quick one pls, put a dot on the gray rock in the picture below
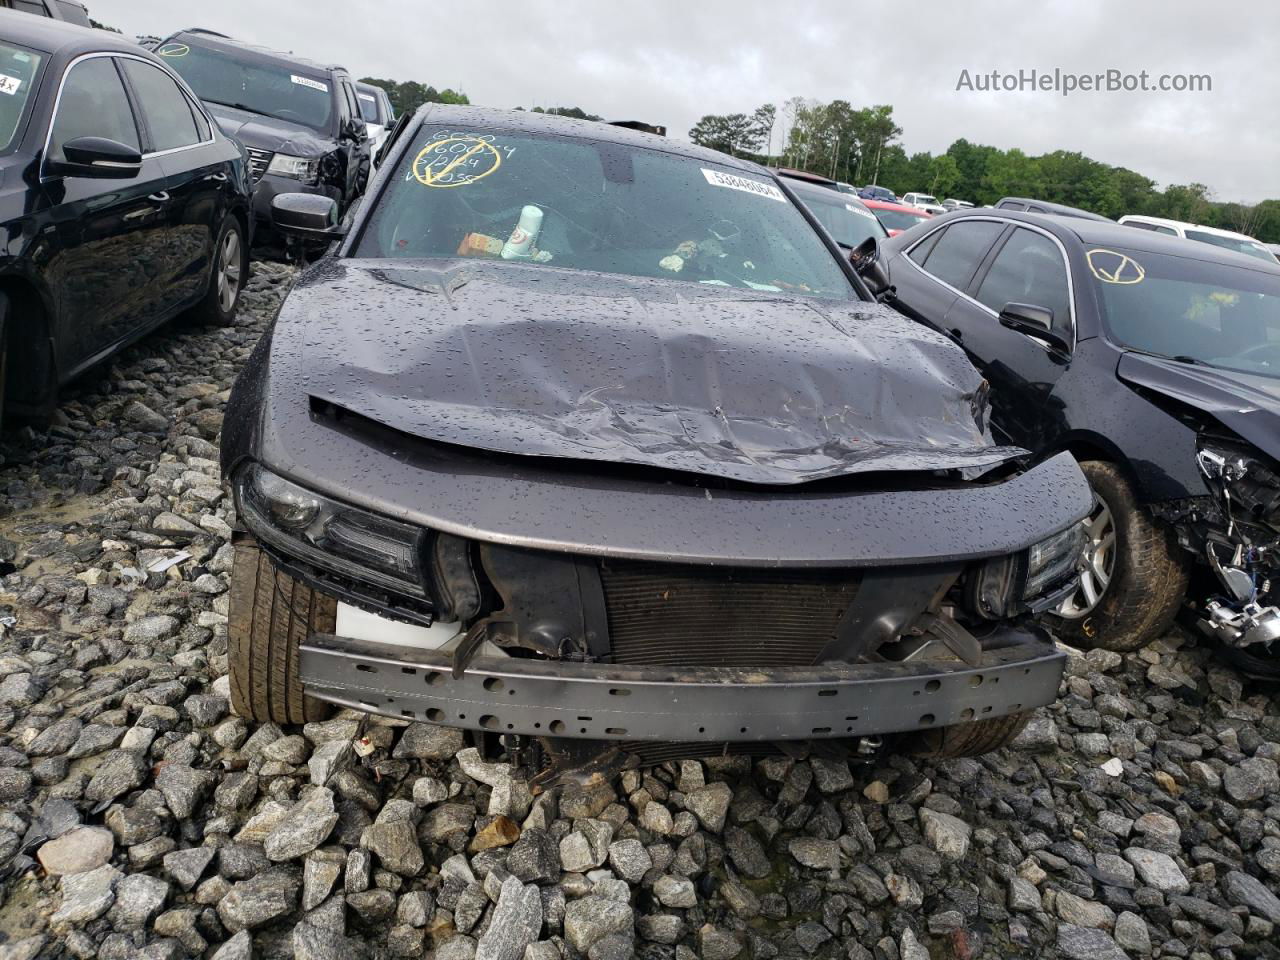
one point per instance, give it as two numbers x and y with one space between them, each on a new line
811 936
1084 913
1023 896
586 847
1246 891
14 783
710 804
629 859
515 923
426 741
150 629
591 919
910 947
583 802
137 412
815 853
184 788
1040 735
1087 943
428 791
119 772
312 942
327 759
831 776
319 873
139 898
675 892
25 949
59 737
535 857
78 851
307 825
378 904
661 928
1132 935
187 866
85 897
1157 870
239 947
94 739
396 845
946 834
18 690
415 908
1251 779
717 944
746 852
260 899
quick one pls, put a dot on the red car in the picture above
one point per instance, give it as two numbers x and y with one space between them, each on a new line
896 217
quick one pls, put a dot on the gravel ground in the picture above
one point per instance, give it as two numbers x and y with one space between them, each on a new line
1139 816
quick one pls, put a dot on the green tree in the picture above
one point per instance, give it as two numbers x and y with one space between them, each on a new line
576 112
409 95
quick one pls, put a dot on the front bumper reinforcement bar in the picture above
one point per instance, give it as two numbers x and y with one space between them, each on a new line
1020 670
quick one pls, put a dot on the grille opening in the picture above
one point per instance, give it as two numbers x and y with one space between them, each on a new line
683 615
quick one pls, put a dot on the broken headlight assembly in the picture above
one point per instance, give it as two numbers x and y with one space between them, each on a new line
1246 487
1029 582
333 536
296 168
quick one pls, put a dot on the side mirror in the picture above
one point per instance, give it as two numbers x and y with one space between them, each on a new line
1034 321
308 216
97 157
867 263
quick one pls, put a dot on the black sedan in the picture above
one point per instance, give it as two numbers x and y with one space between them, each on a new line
615 447
1156 361
845 217
122 203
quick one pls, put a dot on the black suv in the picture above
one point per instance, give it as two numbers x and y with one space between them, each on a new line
299 120
122 203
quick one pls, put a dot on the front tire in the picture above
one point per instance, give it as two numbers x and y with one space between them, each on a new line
971 739
228 271
270 614
1135 574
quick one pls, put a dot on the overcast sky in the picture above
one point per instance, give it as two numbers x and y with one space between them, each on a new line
670 61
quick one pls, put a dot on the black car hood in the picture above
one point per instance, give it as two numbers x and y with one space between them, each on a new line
1246 403
269 133
534 361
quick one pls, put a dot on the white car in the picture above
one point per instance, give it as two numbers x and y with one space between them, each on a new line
1238 242
922 201
950 204
378 115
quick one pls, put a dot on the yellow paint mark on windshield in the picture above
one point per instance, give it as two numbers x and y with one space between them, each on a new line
455 162
174 50
1112 267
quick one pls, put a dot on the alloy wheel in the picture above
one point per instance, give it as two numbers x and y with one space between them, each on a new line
229 266
1098 560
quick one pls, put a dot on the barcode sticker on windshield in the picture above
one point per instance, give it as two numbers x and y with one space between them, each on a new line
308 82
366 96
745 184
9 84
859 211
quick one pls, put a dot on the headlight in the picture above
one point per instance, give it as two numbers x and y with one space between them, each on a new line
1053 561
299 168
1028 581
331 535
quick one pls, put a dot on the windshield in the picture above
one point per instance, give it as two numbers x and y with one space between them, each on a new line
252 82
900 219
1238 244
580 204
848 223
925 198
18 69
1212 313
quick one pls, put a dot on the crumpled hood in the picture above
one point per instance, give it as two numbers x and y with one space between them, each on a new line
268 133
1246 403
538 362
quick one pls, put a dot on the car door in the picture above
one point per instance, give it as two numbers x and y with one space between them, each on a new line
1028 266
195 184
110 233
938 267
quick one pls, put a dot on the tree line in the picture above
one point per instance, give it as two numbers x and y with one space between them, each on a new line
862 146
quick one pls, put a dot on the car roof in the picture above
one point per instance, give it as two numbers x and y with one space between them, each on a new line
804 176
890 205
1185 225
1108 233
526 121
57 36
806 188
214 39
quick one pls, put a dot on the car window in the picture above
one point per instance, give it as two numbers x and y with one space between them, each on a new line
1028 269
849 223
202 122
164 106
956 255
1011 205
600 206
73 13
18 70
29 6
1032 208
921 250
253 82
352 104
93 104
1238 244
900 219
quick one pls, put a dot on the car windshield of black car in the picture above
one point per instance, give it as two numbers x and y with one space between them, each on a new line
252 82
848 222
18 69
1212 313
580 204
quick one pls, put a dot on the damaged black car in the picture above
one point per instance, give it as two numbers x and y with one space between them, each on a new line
595 440
1156 361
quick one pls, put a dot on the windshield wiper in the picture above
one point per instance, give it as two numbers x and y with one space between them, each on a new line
1176 358
238 106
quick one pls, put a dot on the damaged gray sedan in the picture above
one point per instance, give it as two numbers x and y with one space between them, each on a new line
595 441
